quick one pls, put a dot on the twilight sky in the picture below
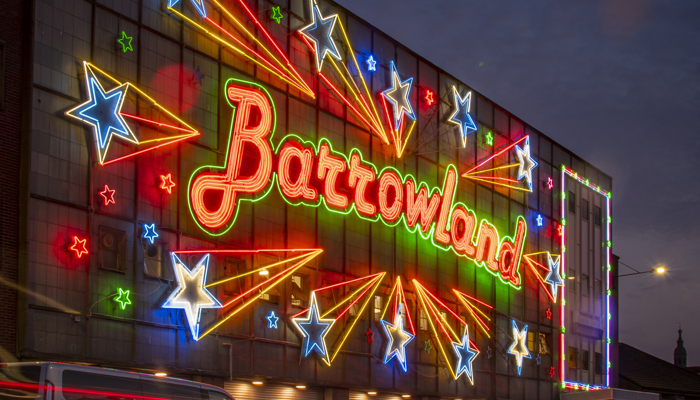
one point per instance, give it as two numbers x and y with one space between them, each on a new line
618 83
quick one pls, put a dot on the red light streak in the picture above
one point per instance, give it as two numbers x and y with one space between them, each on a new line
496 154
347 282
149 149
160 124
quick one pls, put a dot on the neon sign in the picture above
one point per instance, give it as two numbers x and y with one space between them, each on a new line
314 174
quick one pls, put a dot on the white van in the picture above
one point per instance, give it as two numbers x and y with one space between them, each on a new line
59 381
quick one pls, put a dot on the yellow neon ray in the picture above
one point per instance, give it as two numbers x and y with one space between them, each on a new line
491 169
386 306
499 184
439 342
348 298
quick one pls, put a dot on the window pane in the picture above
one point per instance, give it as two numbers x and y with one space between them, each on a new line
217 395
78 385
171 391
572 202
584 209
27 375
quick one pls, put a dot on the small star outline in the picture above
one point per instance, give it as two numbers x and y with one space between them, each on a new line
125 41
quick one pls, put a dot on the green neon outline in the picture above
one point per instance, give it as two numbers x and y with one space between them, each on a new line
429 235
263 193
123 302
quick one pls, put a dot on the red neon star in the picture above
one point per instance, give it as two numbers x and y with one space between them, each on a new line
549 314
167 183
108 195
550 183
79 246
560 229
552 371
429 97
370 335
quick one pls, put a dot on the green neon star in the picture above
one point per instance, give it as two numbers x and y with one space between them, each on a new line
123 298
276 14
427 346
125 41
489 139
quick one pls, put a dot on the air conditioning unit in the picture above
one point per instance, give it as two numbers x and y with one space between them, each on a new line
112 250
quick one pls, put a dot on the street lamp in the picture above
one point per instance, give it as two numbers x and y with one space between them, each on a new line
660 270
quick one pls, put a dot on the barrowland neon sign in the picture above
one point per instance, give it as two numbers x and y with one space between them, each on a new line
313 174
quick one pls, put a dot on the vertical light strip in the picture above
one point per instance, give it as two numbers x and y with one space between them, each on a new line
562 356
607 292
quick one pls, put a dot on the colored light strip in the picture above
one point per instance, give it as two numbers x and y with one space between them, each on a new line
510 146
405 305
539 279
160 124
499 184
256 270
422 299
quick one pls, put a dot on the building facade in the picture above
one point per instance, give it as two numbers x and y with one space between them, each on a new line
278 193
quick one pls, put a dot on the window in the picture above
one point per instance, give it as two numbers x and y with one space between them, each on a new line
531 341
79 385
598 289
423 321
572 202
217 395
585 360
542 342
169 390
598 363
585 288
232 267
155 260
112 250
378 307
584 209
299 295
2 75
597 216
573 357
571 280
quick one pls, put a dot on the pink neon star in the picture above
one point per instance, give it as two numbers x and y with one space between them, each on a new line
108 195
550 183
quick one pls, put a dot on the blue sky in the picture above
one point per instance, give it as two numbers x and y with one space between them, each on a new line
618 83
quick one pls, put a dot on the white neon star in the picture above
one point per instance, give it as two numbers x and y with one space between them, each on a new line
319 31
527 163
398 339
190 293
398 94
521 344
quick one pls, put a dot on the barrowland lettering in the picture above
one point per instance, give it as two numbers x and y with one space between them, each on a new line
311 175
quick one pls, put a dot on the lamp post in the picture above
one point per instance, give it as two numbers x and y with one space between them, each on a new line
656 270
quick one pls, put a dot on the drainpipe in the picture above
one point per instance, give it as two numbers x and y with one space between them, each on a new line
230 360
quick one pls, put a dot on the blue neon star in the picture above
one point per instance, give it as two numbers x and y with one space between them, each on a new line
314 329
149 232
519 347
527 163
319 31
554 277
460 115
398 94
371 64
102 111
272 320
465 357
539 220
198 5
399 338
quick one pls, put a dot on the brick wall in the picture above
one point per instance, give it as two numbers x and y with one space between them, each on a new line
14 36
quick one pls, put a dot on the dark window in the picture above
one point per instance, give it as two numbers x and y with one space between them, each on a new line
585 360
168 390
597 215
598 363
112 253
155 260
26 374
598 289
572 202
299 294
217 395
79 385
585 288
571 280
2 75
543 340
584 209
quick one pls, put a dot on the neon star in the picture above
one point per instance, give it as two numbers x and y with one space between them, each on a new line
552 371
198 5
550 183
519 346
398 339
489 139
427 346
123 298
276 14
538 359
560 229
191 294
398 94
102 111
460 115
149 232
429 97
272 320
548 314
371 64
319 31
370 335
539 220
527 163
108 195
125 41
465 357
554 277
79 246
166 183
314 329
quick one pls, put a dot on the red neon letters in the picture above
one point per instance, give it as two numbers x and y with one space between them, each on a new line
311 174
231 182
